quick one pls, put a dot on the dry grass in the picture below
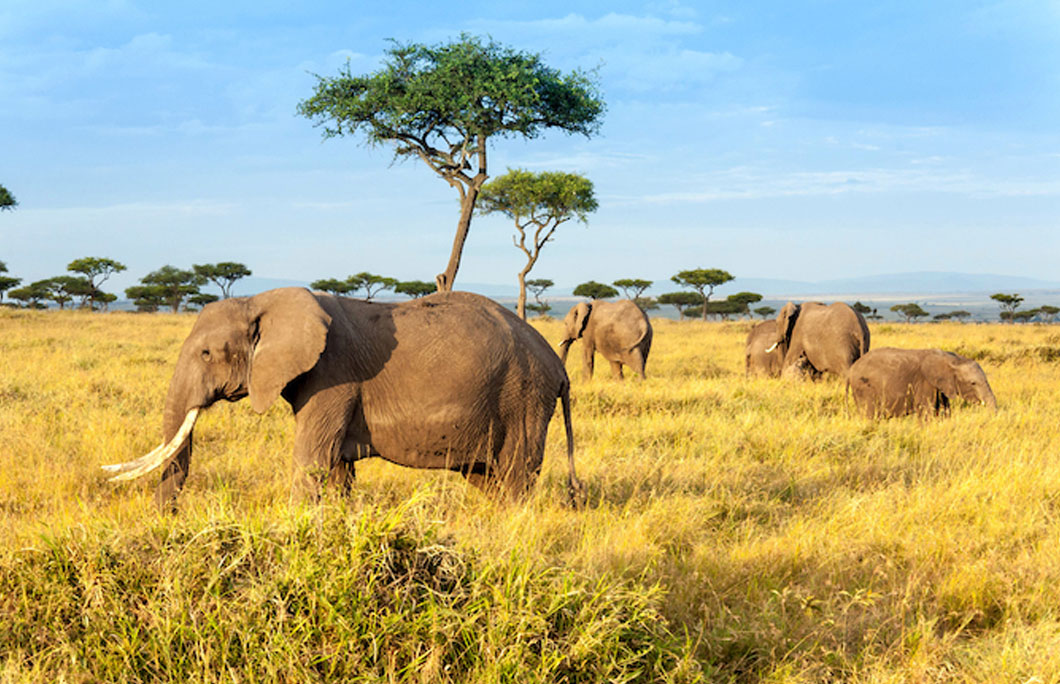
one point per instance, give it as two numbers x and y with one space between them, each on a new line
744 530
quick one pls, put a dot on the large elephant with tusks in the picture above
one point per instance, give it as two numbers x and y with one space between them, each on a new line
449 381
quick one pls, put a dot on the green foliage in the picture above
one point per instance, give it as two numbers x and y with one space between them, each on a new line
1008 302
632 288
910 311
371 283
146 298
743 300
62 289
1025 315
541 199
1048 312
223 274
6 282
442 104
703 281
7 200
862 309
595 290
646 303
200 300
961 314
537 287
168 285
32 296
415 288
97 270
765 311
332 285
681 301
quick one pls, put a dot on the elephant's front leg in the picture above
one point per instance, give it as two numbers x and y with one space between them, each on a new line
588 359
319 459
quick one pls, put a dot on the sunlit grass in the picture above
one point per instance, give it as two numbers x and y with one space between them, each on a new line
736 529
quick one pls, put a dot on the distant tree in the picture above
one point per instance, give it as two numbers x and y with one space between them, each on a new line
1048 312
765 311
646 303
371 283
97 270
743 301
443 103
200 300
960 314
223 274
105 299
681 301
174 284
146 298
595 290
874 316
537 288
332 285
722 309
1024 316
7 200
414 288
537 203
6 282
942 316
32 296
632 288
862 309
703 281
1008 302
62 289
911 311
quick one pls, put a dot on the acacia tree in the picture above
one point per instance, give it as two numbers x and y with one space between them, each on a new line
223 274
371 283
7 200
632 288
538 203
414 288
97 270
442 104
743 301
765 312
703 281
62 289
32 296
169 285
1009 303
1048 312
332 285
6 282
681 301
537 288
911 311
595 290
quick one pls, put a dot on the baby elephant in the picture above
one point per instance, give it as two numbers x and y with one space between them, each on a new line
758 361
891 382
620 331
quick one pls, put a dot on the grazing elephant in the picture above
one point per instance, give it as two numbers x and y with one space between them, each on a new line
620 331
891 382
820 338
451 381
759 361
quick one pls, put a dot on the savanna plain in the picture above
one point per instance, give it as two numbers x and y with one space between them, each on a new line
743 530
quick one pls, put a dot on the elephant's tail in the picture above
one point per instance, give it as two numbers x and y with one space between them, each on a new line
575 489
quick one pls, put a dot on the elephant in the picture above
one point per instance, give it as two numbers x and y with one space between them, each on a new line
620 331
820 338
890 382
448 381
757 361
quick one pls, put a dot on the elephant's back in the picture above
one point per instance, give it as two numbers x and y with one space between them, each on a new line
623 323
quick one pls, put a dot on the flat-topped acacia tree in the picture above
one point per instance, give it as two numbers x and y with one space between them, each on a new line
538 203
442 103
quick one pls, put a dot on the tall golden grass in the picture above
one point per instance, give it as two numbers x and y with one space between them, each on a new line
736 530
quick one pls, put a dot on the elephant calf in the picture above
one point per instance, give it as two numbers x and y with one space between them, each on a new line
891 382
620 331
761 356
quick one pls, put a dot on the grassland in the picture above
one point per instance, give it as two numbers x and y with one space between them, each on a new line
736 530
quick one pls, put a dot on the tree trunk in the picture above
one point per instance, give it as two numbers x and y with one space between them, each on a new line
446 280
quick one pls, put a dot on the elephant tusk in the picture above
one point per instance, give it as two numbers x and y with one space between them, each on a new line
157 457
773 347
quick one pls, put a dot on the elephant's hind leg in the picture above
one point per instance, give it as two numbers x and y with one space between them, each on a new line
616 370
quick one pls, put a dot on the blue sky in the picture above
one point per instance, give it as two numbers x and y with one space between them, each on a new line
798 140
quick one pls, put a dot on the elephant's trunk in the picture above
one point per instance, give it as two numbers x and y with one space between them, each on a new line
988 399
564 348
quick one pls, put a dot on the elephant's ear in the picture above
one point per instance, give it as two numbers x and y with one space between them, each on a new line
789 313
940 370
290 330
581 318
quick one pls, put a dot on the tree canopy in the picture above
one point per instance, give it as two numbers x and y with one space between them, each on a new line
910 311
7 200
538 203
632 288
223 274
414 288
743 301
168 285
703 281
332 285
595 290
442 103
681 301
1009 303
765 311
6 282
97 270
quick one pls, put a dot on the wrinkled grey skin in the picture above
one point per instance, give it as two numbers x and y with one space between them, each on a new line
620 331
451 381
757 361
892 382
820 338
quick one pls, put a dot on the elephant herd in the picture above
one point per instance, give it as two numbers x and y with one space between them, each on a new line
455 381
812 339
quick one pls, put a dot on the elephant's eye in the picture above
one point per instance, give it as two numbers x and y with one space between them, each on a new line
205 354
